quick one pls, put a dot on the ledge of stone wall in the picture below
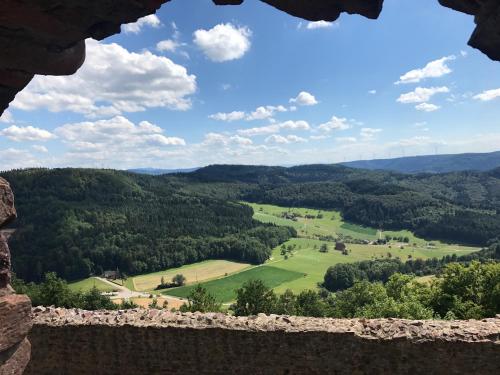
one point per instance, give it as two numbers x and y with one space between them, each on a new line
160 342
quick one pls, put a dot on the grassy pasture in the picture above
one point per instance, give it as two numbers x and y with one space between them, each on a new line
194 273
307 258
87 284
224 289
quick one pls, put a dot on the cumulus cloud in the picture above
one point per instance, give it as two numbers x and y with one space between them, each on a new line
26 133
321 25
372 92
434 69
112 81
276 138
225 140
6 117
224 42
275 128
304 99
421 94
427 107
136 27
229 117
335 123
262 113
116 135
488 95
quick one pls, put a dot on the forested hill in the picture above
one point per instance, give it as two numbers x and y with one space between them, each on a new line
433 163
457 206
78 222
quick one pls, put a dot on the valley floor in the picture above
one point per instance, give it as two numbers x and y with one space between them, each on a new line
304 265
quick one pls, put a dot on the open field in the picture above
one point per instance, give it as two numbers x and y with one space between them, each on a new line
198 272
87 284
224 289
305 266
307 258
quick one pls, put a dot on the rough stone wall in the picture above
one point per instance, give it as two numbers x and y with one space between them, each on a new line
157 342
47 36
15 310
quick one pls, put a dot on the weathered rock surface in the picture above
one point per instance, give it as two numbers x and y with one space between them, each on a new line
7 209
15 310
160 342
15 360
486 36
47 36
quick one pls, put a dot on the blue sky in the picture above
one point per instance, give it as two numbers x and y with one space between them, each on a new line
199 84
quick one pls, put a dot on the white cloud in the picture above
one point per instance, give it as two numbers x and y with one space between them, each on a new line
421 94
115 136
335 123
369 133
488 95
262 113
136 27
112 81
275 128
305 99
40 148
372 92
427 107
225 140
26 133
226 86
224 42
434 69
167 45
321 25
276 138
231 116
6 117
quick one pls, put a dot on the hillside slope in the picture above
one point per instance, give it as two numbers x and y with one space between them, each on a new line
79 222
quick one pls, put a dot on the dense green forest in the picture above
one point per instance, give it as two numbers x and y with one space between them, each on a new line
79 222
456 207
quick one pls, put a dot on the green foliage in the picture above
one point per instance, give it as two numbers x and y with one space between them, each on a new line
254 297
79 222
54 291
343 276
179 280
201 300
458 207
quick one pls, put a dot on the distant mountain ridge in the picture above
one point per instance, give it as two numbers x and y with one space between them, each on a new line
160 171
432 163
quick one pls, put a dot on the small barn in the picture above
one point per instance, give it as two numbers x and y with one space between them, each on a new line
112 275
